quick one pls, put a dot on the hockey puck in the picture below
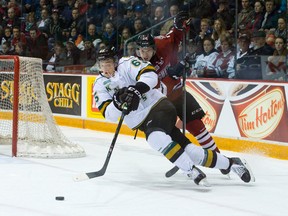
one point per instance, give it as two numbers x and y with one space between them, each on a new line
59 198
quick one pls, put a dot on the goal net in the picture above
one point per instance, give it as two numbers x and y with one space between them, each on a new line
26 120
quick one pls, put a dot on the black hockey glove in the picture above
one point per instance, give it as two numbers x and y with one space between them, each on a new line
117 100
176 70
180 18
132 98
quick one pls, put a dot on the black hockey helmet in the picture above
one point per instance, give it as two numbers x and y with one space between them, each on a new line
145 40
107 53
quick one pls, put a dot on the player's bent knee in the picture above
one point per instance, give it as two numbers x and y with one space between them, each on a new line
163 143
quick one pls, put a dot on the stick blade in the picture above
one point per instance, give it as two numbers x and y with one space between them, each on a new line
171 172
81 177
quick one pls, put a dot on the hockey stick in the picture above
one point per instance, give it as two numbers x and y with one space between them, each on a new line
101 172
175 169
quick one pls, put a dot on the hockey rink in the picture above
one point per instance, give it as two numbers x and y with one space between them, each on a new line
134 184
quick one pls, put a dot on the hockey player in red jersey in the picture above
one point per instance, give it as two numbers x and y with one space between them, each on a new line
161 51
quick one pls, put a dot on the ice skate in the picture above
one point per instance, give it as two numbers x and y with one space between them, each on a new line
226 172
242 169
198 177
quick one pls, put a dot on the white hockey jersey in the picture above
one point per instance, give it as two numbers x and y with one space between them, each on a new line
130 70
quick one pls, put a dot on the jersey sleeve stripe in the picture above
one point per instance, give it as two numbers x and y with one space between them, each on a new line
103 106
146 69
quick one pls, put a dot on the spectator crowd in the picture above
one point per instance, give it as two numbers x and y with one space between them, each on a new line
219 43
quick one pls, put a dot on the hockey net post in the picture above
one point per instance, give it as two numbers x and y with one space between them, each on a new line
26 120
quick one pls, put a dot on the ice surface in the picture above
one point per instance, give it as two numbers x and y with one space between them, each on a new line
134 184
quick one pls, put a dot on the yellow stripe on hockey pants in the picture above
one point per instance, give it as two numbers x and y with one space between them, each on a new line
172 151
210 158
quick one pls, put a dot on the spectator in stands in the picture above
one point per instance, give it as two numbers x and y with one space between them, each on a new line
20 49
55 28
110 35
11 20
57 5
15 5
82 6
260 47
57 58
244 41
75 37
139 14
277 62
29 23
244 17
138 26
88 55
113 17
223 65
7 36
192 54
128 18
281 29
200 10
72 55
93 35
126 34
218 30
66 13
96 14
43 4
37 44
249 66
6 48
207 57
174 9
270 17
224 12
258 15
131 48
205 31
95 68
159 16
18 36
77 22
44 22
28 6
66 36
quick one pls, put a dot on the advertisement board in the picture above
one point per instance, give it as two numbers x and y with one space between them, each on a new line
92 110
251 110
64 94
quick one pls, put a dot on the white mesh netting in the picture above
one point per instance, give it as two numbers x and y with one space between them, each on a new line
38 134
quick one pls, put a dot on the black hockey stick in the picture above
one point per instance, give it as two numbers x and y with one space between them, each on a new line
101 172
175 169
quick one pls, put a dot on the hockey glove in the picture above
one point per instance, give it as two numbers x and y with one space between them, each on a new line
176 70
180 20
117 100
132 98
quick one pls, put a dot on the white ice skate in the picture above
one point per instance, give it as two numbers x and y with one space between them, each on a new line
198 177
242 169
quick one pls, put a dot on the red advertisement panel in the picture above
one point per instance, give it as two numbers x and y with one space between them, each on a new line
260 111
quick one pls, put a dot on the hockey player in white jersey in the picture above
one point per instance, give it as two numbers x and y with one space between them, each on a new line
134 84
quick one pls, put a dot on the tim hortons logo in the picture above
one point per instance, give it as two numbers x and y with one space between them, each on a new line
260 118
